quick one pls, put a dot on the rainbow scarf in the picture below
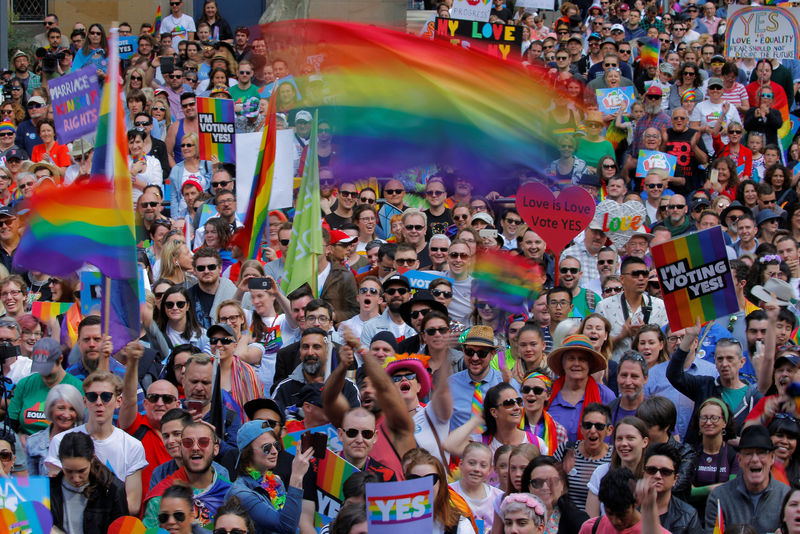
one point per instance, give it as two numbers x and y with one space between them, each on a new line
592 394
546 431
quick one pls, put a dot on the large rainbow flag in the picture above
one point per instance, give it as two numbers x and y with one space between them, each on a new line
156 29
396 101
248 238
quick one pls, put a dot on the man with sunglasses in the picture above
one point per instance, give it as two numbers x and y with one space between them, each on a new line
396 292
661 463
185 113
211 288
394 194
570 275
161 397
119 451
586 251
437 216
369 294
415 228
178 24
478 347
27 136
677 220
345 201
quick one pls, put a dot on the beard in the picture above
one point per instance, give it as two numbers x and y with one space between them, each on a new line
652 109
312 367
91 365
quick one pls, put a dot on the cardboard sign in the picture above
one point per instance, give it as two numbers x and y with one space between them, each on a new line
556 220
76 103
247 147
128 45
25 503
498 40
90 292
400 507
609 101
292 440
653 159
535 4
620 221
762 32
216 123
695 278
471 9
423 279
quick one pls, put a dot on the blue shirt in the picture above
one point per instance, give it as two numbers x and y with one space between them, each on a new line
462 390
569 415
657 384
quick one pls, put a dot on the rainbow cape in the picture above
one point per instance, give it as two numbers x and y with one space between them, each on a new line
396 101
506 281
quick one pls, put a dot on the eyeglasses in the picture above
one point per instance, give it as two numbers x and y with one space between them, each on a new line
469 352
405 261
399 378
396 291
105 396
570 270
676 206
170 304
664 471
202 443
414 227
202 268
433 331
641 273
321 319
712 418
153 398
353 432
766 95
434 193
179 516
224 340
442 293
267 447
370 290
459 255
655 186
510 403
587 425
394 191
417 313
435 476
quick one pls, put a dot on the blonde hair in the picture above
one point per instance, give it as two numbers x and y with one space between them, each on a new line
169 259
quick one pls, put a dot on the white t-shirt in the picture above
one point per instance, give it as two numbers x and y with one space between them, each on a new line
707 114
179 28
482 509
423 432
19 369
355 324
120 452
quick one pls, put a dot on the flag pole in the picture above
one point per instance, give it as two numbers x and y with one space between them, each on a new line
106 304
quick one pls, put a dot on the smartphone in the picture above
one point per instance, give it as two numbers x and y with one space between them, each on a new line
318 441
259 283
488 232
714 176
167 64
194 406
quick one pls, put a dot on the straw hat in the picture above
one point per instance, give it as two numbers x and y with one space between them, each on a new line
576 343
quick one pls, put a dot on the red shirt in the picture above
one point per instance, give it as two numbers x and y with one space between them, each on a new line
154 449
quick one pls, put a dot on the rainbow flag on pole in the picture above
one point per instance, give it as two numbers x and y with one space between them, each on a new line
156 23
719 524
248 238
333 471
649 52
507 281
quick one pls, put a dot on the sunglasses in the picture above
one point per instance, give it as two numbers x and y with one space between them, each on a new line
442 293
586 425
394 191
433 249
353 433
653 97
163 517
536 390
34 105
188 104
267 447
224 340
396 291
655 186
367 200
676 206
370 290
513 221
158 109
434 475
434 193
732 132
482 354
7 134
417 227
664 471
231 531
220 184
399 378
150 204
105 396
538 483
460 217
348 194
459 255
153 398
202 268
433 331
510 403
612 289
417 313
284 242
405 261
202 443
170 304
187 145
6 456
570 270
638 274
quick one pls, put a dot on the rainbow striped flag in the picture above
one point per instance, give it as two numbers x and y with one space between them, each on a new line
45 310
398 101
507 281
695 278
156 29
216 126
719 524
649 52
332 472
248 238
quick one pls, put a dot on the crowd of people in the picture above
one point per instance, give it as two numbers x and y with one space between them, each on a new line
587 413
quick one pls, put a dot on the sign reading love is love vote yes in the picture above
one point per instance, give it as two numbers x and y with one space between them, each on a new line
620 221
557 220
695 278
400 507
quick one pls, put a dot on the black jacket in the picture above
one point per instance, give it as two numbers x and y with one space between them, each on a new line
103 507
572 517
681 518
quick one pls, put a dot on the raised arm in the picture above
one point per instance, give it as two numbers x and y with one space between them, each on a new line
459 438
766 361
130 383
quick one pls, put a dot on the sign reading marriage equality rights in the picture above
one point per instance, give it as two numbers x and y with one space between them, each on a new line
695 278
76 103
763 32
498 40
216 123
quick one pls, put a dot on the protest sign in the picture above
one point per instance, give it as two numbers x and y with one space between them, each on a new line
498 40
535 4
216 123
247 147
428 30
653 159
90 292
556 219
763 32
471 9
128 45
25 505
400 507
609 101
76 103
292 439
620 221
695 278
45 310
423 279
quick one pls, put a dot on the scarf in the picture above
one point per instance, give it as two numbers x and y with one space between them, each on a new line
547 428
592 394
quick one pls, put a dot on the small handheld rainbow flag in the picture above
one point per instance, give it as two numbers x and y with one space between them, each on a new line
333 471
156 23
719 524
648 52
47 310
509 282
216 126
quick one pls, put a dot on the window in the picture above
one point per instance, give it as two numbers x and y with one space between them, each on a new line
29 10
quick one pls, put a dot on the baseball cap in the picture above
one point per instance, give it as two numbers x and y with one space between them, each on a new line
45 354
594 35
38 100
717 58
396 279
220 326
623 7
654 90
715 81
253 406
7 211
249 431
303 115
310 393
483 216
337 236
15 153
617 27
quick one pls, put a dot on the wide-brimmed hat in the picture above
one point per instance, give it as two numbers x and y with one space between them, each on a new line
782 291
480 336
417 363
579 343
419 297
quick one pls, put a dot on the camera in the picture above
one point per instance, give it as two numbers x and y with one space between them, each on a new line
7 350
49 59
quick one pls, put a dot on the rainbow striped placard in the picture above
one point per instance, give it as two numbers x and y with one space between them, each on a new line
400 507
47 310
216 126
695 278
333 471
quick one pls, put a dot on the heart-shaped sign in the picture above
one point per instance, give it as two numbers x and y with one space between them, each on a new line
557 220
31 517
132 525
620 221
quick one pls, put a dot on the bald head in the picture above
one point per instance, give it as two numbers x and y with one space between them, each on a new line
162 396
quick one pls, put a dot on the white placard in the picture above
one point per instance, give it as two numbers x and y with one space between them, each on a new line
471 10
247 146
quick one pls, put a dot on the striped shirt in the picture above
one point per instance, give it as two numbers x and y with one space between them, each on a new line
580 474
736 95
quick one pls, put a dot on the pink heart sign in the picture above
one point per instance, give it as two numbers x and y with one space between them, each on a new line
559 219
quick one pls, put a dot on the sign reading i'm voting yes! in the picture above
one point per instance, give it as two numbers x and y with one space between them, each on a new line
400 507
216 123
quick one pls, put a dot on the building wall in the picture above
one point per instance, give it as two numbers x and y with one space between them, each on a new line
134 12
